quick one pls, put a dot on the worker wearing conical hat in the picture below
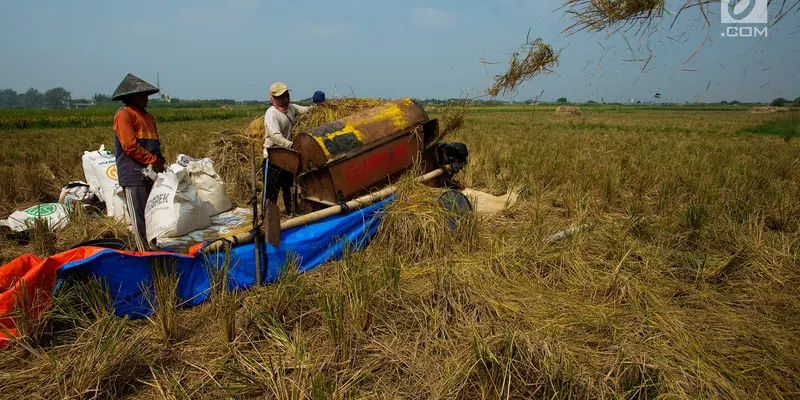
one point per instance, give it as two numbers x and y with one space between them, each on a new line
136 145
278 123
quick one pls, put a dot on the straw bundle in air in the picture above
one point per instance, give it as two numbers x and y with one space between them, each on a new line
539 58
450 121
598 15
319 115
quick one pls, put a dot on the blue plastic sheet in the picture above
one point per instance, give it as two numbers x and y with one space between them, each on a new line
128 277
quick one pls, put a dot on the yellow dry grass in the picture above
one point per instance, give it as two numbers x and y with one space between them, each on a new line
234 156
686 287
416 226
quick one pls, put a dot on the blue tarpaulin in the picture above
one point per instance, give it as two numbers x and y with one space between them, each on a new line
128 276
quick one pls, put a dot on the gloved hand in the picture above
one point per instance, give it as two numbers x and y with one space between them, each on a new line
149 173
158 166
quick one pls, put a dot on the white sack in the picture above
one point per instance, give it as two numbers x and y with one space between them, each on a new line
100 167
89 159
209 186
119 205
488 205
184 160
55 214
173 208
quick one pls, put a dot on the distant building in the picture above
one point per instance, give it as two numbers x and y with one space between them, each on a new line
81 104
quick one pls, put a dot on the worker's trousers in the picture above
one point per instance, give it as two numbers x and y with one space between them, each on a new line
279 179
135 202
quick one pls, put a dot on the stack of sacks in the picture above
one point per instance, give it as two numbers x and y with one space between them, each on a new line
184 198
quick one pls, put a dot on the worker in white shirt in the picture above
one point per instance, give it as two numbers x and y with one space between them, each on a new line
278 122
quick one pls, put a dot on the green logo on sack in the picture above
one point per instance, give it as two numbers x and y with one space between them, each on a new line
41 211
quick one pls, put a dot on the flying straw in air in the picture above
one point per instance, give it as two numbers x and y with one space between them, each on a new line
539 58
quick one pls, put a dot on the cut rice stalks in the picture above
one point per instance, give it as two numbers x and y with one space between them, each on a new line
320 114
540 58
230 151
416 225
599 15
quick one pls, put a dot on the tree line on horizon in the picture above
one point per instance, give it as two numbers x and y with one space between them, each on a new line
60 98
54 98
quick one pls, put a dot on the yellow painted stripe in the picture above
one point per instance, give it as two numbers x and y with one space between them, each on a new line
390 112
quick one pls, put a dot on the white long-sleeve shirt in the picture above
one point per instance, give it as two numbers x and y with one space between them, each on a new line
279 126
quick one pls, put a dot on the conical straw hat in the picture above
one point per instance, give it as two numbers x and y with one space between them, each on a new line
132 85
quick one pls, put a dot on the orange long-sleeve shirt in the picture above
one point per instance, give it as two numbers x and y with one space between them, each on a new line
136 144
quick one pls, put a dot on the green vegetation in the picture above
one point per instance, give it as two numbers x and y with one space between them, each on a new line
782 127
104 116
686 286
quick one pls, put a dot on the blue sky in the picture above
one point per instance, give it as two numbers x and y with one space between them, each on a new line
236 48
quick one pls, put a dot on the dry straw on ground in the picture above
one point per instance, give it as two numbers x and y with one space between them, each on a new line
233 160
319 115
568 110
539 58
686 287
84 225
415 226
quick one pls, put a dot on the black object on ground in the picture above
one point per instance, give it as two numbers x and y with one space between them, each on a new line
108 243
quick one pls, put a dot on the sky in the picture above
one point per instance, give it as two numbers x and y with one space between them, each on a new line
235 49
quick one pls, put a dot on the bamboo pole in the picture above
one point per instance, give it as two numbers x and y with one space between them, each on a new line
354 204
255 234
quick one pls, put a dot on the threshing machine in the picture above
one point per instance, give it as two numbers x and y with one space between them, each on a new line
361 153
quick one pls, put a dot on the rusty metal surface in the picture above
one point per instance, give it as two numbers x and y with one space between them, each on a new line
365 151
348 177
347 135
287 159
369 171
318 184
311 155
272 223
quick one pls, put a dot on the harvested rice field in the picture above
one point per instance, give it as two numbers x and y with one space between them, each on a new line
681 279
